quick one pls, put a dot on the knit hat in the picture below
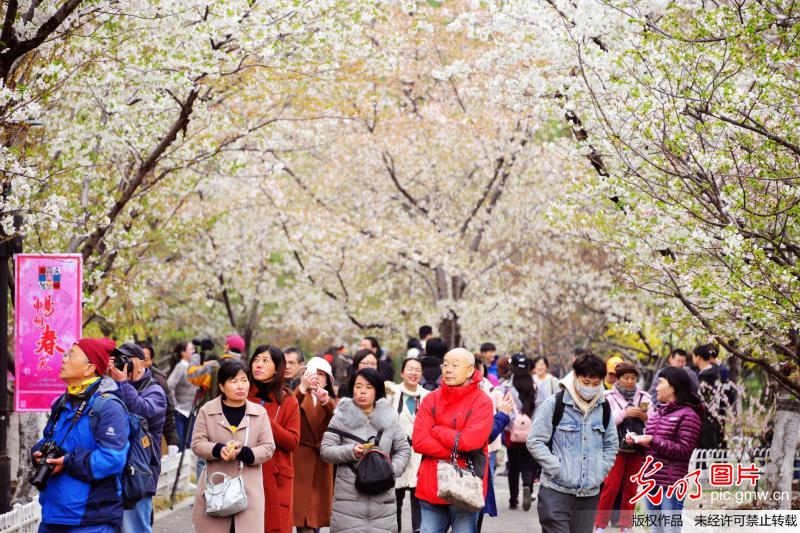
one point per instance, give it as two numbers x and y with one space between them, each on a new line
98 352
625 368
318 363
235 342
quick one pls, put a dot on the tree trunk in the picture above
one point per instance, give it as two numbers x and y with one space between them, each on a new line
780 466
450 330
25 430
449 288
249 330
735 364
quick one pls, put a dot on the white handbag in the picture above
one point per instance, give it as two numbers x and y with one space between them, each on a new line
227 497
459 486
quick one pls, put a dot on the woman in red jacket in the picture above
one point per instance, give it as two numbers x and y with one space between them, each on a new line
267 367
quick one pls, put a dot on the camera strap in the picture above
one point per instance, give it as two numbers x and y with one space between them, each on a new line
146 383
78 413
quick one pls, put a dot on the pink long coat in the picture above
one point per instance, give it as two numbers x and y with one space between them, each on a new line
212 428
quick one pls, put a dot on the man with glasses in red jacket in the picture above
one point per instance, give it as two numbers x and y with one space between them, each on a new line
458 411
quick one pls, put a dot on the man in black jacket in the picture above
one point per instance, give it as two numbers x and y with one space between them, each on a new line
714 400
435 349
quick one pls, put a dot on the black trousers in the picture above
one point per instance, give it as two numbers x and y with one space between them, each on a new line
520 464
416 510
566 513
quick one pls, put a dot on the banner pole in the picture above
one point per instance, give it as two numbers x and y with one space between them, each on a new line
5 460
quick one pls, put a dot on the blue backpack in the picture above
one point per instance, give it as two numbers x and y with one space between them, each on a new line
137 477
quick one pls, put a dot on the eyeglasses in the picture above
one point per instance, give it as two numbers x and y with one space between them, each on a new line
69 356
445 366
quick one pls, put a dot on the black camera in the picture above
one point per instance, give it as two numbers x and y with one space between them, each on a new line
50 450
205 347
123 362
124 354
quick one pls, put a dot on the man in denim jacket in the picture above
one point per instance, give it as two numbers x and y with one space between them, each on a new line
581 453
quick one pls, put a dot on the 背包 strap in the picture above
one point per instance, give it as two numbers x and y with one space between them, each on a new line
558 413
350 436
78 413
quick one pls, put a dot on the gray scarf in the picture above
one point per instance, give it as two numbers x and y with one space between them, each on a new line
627 394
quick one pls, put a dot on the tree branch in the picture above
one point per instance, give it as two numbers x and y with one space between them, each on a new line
16 49
145 168
696 113
388 161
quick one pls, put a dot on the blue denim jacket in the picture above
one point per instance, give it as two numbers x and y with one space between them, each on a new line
583 451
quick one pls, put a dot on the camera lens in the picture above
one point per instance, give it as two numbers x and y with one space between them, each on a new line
42 473
121 362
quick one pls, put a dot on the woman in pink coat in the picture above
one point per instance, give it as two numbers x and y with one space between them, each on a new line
234 436
629 406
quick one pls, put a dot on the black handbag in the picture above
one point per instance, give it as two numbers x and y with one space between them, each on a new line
374 473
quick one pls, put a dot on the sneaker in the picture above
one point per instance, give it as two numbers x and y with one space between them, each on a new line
526 498
512 506
625 530
600 530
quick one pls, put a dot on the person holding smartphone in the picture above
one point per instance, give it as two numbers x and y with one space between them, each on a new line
313 478
672 434
629 406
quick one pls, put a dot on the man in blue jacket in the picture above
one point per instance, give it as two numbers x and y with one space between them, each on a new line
143 396
83 493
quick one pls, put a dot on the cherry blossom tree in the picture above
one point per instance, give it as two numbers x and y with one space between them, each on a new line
421 199
686 112
141 103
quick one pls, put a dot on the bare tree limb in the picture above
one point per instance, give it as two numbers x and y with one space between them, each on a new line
15 49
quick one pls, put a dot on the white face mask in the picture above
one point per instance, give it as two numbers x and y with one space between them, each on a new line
588 393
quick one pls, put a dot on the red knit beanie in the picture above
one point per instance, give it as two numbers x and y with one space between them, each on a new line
98 352
235 342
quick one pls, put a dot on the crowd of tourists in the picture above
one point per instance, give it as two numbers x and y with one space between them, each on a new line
284 442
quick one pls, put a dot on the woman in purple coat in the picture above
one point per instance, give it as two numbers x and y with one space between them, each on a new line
671 436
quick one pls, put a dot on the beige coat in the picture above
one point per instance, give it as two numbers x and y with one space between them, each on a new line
212 428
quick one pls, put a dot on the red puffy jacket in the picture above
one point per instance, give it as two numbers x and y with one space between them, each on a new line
442 415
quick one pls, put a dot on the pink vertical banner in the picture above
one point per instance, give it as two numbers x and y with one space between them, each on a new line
47 315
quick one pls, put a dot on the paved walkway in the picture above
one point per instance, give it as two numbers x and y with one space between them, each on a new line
180 521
